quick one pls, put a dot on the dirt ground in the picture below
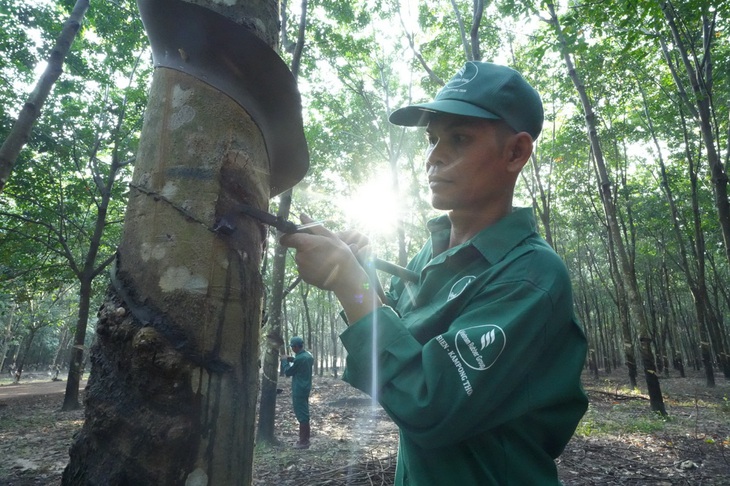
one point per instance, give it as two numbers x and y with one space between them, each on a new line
619 442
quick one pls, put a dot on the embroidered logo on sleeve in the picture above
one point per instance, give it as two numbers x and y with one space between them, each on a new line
457 365
459 286
480 346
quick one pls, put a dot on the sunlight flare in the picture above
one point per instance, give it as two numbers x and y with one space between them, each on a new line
373 207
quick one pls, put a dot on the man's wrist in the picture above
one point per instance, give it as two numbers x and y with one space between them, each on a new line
358 299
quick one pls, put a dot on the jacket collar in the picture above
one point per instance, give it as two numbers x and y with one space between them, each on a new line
494 241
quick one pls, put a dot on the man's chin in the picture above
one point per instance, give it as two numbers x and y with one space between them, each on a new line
440 204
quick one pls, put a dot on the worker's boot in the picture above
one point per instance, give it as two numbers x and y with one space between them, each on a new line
303 442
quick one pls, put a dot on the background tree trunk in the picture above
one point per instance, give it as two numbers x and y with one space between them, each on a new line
647 354
698 66
275 344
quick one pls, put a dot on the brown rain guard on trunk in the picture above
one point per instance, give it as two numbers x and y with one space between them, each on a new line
229 57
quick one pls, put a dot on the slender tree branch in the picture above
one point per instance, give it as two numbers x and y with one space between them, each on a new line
410 37
20 134
299 48
51 246
105 263
462 31
476 51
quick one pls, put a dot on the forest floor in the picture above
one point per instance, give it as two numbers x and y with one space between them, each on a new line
619 441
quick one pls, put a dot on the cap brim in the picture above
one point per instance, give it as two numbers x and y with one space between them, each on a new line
419 115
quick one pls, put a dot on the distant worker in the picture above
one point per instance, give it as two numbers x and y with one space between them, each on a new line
299 367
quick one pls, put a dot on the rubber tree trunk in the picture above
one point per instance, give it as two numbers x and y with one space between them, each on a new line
76 368
624 314
173 387
174 376
7 335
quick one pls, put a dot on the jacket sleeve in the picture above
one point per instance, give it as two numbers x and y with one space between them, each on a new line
301 364
290 369
471 377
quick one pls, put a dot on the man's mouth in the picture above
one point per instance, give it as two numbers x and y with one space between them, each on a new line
436 181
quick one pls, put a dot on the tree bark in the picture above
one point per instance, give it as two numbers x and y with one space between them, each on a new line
172 394
174 376
7 334
75 369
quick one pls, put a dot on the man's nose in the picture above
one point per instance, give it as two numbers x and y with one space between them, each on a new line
434 156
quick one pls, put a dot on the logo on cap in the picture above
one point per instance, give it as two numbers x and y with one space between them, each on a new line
465 75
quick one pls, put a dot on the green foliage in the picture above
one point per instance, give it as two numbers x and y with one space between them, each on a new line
725 406
87 134
596 424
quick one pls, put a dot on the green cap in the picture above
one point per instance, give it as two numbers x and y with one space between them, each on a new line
296 341
481 90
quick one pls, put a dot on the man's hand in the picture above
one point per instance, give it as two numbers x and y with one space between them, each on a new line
323 259
290 359
329 262
359 243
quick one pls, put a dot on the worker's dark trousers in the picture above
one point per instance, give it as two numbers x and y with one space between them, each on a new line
301 407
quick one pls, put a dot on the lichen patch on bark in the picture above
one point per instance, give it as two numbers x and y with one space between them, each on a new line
180 96
180 117
169 190
152 251
180 278
197 478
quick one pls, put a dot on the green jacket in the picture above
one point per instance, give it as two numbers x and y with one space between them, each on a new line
301 372
479 362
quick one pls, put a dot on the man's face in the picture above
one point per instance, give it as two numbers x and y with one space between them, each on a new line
466 163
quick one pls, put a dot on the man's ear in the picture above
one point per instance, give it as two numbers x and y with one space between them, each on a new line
519 149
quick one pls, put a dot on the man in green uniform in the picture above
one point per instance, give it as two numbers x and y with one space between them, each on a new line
299 367
479 361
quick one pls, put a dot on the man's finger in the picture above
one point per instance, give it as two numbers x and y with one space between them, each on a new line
315 230
353 237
